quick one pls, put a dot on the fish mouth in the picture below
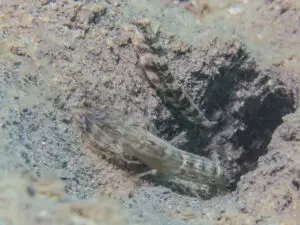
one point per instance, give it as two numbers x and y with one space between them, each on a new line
81 117
81 120
85 117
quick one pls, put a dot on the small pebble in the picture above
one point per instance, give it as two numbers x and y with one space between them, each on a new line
234 10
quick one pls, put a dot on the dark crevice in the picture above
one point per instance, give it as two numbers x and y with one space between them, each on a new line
248 105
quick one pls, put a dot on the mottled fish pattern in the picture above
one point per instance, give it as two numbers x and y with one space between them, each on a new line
108 132
172 94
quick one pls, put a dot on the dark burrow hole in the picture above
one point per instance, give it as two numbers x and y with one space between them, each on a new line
248 105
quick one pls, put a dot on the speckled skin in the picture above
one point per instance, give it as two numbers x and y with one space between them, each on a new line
172 94
109 133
